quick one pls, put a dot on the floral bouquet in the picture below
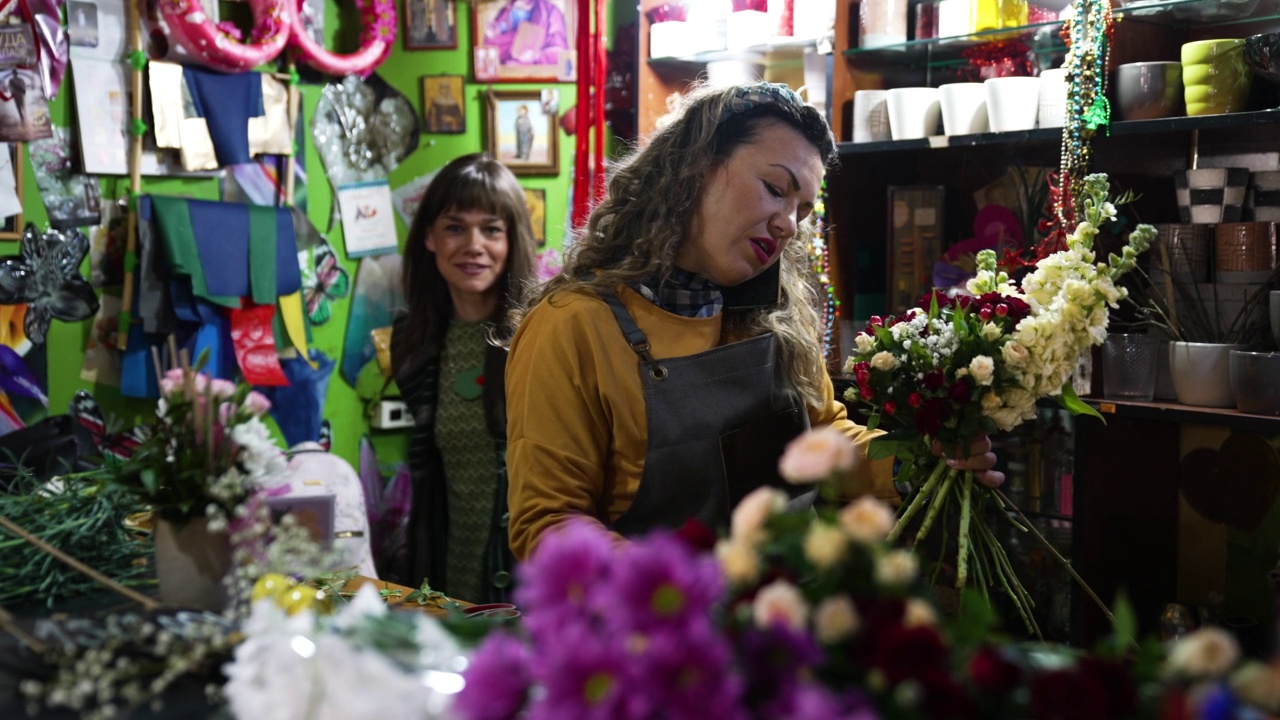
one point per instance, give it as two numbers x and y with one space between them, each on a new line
208 451
956 368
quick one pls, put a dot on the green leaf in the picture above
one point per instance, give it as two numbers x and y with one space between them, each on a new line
975 621
1125 630
148 477
883 447
873 421
1072 402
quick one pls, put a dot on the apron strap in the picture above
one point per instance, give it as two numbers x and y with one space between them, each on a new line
634 335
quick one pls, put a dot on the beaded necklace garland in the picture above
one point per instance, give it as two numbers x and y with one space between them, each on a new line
1088 34
820 254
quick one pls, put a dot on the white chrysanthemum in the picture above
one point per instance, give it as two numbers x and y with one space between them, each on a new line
259 455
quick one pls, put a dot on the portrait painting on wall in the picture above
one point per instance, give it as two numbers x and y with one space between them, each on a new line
520 134
443 109
525 40
536 200
430 25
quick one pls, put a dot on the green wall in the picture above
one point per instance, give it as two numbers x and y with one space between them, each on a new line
403 70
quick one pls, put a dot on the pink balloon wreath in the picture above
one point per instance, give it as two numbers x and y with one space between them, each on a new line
214 47
379 18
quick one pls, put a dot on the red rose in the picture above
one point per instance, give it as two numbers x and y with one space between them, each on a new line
931 415
910 653
697 535
1002 309
1067 695
914 399
876 321
985 312
890 407
1117 677
960 392
926 300
991 673
944 698
934 379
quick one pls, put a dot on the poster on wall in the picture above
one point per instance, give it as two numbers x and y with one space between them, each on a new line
368 220
24 110
525 40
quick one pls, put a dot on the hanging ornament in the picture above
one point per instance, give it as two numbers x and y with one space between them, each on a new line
46 277
213 47
379 35
820 256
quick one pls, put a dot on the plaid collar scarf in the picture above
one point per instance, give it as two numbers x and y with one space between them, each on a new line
684 293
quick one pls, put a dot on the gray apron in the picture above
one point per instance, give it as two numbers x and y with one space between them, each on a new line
717 424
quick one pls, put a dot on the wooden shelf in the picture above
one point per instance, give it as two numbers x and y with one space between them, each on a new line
1175 413
1054 135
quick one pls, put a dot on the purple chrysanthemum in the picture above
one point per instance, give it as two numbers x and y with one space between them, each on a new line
585 675
688 675
558 582
772 658
497 680
811 701
660 582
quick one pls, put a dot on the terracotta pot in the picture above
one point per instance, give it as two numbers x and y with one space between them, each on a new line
190 564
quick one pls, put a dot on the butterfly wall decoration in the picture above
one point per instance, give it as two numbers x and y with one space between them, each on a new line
324 281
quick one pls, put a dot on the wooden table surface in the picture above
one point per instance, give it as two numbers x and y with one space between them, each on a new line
359 581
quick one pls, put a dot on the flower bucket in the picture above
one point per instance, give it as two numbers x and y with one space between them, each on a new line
190 564
1202 373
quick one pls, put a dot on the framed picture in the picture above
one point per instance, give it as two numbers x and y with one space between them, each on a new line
520 134
525 40
537 202
11 228
443 109
430 25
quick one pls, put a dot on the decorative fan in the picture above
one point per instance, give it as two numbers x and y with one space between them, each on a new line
46 276
325 282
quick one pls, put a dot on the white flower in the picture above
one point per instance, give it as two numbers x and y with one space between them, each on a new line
1015 354
259 455
738 561
884 360
867 519
816 455
897 568
864 342
1207 653
746 523
825 545
780 603
835 619
919 613
982 368
991 331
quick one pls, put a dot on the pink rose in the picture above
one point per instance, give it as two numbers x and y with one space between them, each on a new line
780 603
257 403
867 519
222 389
816 455
746 523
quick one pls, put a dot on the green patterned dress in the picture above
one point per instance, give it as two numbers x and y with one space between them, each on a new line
468 455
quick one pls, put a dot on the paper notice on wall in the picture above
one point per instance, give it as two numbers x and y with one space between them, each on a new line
368 219
409 195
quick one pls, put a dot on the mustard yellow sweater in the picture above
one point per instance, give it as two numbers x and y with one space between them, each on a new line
576 421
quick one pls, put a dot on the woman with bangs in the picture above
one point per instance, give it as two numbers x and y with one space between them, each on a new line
468 258
658 378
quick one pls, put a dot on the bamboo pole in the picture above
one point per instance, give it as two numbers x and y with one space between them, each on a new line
135 175
291 162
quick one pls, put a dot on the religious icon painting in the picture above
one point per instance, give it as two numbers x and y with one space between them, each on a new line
430 25
521 134
525 40
443 106
536 200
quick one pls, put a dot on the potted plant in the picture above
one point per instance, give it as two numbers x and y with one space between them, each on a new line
208 453
1204 323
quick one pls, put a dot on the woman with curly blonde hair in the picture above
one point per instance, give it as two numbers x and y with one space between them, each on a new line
657 379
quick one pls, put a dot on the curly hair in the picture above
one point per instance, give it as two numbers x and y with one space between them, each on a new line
652 196
471 182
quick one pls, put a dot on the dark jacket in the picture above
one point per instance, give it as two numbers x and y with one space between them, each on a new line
428 531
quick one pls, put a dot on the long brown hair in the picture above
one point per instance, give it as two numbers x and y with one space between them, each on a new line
473 182
639 227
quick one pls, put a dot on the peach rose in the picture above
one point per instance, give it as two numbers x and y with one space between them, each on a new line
897 568
738 561
1209 652
867 519
746 523
825 545
780 603
835 619
816 455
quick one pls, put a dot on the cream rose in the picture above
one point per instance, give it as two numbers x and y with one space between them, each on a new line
884 360
835 619
816 455
982 368
1209 652
867 519
825 545
746 523
864 342
897 568
739 561
780 603
919 613
1015 354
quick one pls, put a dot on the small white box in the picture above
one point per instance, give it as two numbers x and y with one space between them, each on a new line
391 415
955 18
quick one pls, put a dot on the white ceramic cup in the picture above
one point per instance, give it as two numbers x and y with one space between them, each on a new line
964 108
914 112
1053 98
870 116
1012 103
